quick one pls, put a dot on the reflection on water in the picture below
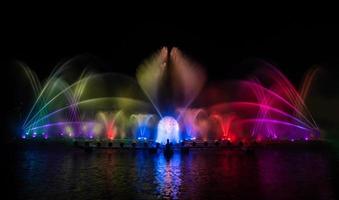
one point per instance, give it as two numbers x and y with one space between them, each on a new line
168 175
67 173
310 174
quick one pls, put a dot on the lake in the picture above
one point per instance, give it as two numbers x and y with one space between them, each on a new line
63 172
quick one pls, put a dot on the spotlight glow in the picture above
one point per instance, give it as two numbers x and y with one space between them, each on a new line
109 106
168 128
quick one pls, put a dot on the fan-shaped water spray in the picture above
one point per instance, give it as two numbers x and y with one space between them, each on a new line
109 106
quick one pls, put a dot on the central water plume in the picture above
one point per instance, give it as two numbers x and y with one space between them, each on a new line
168 129
171 81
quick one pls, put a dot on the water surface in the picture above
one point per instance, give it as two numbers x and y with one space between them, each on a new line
275 173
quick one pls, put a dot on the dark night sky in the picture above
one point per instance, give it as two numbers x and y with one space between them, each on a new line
219 43
224 44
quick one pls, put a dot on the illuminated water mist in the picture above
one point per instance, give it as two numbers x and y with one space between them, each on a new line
168 99
168 129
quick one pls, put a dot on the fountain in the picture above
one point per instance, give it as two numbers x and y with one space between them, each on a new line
159 107
168 130
142 130
109 121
